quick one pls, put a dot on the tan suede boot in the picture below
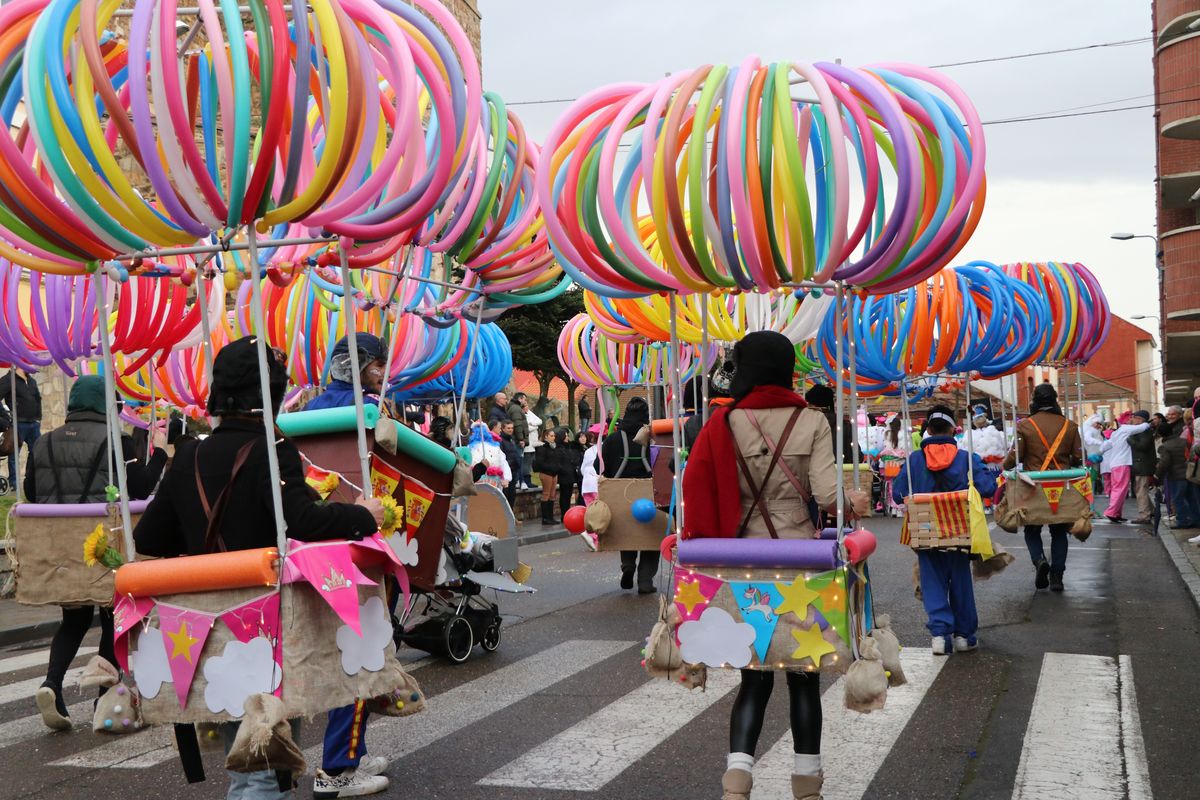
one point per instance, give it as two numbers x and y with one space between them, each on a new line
807 787
737 784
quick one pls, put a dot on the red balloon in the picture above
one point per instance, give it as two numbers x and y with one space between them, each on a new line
573 519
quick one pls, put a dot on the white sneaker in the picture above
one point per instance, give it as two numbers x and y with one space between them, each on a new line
590 540
962 645
372 765
351 783
1194 540
939 645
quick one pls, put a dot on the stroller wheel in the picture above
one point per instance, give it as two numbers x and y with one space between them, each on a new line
458 639
491 637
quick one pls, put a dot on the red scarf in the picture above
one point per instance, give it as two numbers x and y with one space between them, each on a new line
710 483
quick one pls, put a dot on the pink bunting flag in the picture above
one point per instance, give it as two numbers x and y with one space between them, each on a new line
184 633
331 571
127 612
693 591
259 617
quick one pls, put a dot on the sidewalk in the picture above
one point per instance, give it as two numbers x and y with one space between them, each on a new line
1186 556
19 623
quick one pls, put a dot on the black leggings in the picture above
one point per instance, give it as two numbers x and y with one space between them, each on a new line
746 720
76 620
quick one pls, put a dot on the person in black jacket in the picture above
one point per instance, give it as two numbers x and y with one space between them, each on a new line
1144 448
622 457
569 475
512 454
28 413
548 463
821 398
233 473
585 414
68 465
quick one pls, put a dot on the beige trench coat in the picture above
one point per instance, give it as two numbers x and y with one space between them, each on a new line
808 452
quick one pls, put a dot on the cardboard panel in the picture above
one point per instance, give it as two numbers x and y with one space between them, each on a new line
48 561
624 532
339 452
488 512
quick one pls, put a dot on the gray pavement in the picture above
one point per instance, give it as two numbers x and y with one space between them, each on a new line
563 702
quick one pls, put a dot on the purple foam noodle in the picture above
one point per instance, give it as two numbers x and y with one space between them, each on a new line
903 219
62 510
817 554
139 106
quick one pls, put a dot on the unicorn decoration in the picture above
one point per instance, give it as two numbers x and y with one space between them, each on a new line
760 602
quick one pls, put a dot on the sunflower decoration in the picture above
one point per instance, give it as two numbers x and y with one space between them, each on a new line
392 516
326 485
97 550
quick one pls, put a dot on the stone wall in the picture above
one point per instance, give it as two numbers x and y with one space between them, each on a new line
467 14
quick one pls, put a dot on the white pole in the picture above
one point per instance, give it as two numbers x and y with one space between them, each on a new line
462 402
16 432
839 407
110 406
703 410
206 354
676 412
364 458
264 385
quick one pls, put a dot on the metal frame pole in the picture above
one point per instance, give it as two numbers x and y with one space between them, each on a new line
676 413
364 458
110 416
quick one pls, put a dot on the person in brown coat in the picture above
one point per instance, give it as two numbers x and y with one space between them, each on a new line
733 458
1046 440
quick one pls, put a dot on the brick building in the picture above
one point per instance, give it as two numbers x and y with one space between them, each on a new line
1177 131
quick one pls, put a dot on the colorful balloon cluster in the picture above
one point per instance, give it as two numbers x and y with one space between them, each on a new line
746 187
1079 313
979 320
594 360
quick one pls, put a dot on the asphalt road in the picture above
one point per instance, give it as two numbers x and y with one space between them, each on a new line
1088 694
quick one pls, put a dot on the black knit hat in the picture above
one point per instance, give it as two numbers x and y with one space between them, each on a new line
235 386
819 396
762 358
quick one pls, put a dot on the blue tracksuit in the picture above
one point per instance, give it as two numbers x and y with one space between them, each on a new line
346 728
946 588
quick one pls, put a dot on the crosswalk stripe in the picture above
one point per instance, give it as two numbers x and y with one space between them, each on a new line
38 658
853 745
470 702
1137 768
23 690
1073 747
18 730
613 738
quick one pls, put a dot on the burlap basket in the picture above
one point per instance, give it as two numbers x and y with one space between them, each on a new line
624 532
1024 504
47 552
313 678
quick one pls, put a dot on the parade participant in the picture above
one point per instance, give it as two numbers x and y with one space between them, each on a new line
1048 440
1120 458
547 462
1093 443
487 453
28 413
439 432
939 466
229 469
820 398
987 441
67 465
895 448
623 457
732 467
346 769
569 477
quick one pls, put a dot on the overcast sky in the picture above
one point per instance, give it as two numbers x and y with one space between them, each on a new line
1056 188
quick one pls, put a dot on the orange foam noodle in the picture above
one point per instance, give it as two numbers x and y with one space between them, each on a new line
237 570
930 496
662 427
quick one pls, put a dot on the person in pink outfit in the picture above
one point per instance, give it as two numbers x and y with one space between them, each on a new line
1119 456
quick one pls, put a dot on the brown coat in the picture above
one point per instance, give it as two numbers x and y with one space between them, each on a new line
808 453
1033 452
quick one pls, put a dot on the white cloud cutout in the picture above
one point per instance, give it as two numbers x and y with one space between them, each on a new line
716 640
404 547
240 671
369 650
149 663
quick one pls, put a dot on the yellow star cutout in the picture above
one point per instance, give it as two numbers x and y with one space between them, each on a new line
688 595
183 640
811 645
796 597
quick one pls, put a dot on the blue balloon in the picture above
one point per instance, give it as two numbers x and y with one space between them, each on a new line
643 510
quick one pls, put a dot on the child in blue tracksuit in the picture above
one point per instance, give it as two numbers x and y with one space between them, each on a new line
946 590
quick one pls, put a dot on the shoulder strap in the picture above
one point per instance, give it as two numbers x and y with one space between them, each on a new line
624 454
214 542
787 471
58 498
1051 449
92 470
756 488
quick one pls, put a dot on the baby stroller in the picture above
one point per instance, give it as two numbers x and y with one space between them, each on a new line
451 616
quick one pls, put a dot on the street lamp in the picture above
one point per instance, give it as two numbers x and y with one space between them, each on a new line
1147 316
1125 237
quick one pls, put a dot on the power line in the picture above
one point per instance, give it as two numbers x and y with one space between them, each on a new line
1014 57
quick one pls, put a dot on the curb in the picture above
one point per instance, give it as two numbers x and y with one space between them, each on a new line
1183 565
41 630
